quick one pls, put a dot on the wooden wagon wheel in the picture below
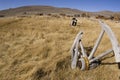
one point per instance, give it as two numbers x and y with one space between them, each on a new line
85 62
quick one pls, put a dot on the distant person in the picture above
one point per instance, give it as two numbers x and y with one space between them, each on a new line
74 21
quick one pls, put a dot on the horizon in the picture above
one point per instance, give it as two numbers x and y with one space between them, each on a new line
58 7
90 6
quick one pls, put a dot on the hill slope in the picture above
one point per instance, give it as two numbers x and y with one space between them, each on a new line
39 9
28 10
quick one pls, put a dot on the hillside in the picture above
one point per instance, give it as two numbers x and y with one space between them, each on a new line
33 10
38 48
37 10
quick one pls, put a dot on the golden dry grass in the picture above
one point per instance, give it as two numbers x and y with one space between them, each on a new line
38 48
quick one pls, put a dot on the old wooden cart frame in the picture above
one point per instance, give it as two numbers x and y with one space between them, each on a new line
86 60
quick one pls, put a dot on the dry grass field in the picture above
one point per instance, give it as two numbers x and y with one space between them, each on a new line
38 48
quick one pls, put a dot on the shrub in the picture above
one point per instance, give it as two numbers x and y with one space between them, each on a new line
62 14
77 15
49 14
2 15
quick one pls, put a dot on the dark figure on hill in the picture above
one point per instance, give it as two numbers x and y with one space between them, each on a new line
74 21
